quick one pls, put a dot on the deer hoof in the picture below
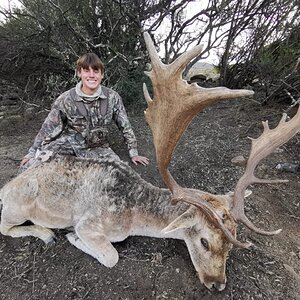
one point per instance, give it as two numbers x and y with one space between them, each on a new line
51 240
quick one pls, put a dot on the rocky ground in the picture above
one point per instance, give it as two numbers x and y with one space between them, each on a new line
161 269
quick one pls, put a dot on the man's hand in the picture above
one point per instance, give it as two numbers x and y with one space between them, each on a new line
140 160
24 161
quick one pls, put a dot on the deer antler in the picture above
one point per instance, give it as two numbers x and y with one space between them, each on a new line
261 147
174 105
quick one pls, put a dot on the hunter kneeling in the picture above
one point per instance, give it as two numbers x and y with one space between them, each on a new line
78 121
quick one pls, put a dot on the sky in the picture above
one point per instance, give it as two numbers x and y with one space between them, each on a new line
6 3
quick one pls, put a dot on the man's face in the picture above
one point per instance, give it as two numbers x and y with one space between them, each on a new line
91 80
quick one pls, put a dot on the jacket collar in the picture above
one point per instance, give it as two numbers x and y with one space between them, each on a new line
89 98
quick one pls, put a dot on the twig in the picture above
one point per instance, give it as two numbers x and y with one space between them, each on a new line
33 272
293 273
18 276
293 216
293 105
135 259
86 294
32 104
282 82
290 95
10 158
296 66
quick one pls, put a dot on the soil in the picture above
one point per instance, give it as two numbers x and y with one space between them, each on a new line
161 269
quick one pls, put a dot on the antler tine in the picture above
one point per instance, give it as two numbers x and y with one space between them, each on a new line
261 147
178 64
155 61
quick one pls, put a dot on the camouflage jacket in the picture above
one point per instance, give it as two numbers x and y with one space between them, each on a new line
67 125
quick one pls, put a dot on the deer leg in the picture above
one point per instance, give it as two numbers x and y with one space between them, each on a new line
11 225
43 233
78 243
91 240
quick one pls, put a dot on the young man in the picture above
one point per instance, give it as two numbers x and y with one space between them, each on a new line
78 121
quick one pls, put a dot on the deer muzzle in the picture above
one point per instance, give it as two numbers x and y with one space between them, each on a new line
217 282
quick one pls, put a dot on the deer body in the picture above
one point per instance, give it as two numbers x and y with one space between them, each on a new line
105 202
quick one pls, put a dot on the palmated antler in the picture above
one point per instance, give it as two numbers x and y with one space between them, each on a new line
261 147
174 105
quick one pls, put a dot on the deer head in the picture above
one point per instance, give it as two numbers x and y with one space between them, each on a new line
174 105
207 245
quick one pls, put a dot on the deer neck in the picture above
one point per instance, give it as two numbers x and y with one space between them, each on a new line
153 212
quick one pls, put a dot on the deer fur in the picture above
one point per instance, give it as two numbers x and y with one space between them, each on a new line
106 201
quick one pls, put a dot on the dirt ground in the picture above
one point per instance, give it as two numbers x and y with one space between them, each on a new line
161 269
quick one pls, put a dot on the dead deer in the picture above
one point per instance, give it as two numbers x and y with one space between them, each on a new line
106 201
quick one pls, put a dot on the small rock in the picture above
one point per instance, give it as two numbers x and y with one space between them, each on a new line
279 150
29 113
239 160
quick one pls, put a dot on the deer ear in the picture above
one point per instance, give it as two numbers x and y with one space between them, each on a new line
229 197
185 220
248 193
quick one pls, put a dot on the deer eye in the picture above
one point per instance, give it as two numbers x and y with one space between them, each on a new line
205 244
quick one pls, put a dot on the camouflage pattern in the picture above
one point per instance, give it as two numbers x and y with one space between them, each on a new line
67 131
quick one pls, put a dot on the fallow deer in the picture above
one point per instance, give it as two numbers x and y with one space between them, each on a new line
105 201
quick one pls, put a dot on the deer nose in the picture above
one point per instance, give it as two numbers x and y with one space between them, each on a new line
220 286
215 283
